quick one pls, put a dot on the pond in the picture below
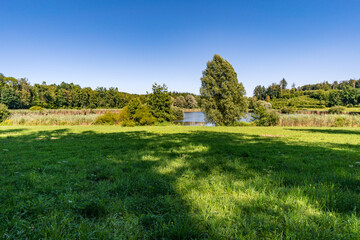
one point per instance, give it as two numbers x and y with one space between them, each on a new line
198 119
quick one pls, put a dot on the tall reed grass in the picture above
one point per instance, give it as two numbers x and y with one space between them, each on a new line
311 120
50 119
63 111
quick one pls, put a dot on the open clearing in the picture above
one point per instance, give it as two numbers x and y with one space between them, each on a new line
106 182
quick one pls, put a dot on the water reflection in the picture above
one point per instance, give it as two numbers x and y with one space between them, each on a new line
198 119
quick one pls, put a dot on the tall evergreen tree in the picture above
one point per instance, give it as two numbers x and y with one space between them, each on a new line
283 83
160 103
222 96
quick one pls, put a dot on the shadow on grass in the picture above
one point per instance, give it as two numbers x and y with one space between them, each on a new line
331 131
126 184
15 130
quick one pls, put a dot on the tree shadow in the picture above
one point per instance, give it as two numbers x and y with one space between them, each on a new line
330 131
136 184
15 130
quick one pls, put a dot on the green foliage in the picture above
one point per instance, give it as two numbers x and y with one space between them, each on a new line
143 116
336 110
244 124
108 119
126 118
160 103
191 101
4 112
265 117
288 110
177 112
265 104
10 98
222 96
303 101
335 98
345 93
350 96
179 102
340 122
260 92
283 84
36 108
18 93
133 105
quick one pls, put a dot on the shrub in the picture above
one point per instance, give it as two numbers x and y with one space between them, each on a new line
340 122
125 118
177 112
266 105
336 110
133 105
265 117
244 124
108 119
287 110
143 116
128 123
4 112
36 108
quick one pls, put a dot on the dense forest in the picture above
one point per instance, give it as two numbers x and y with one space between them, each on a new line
320 95
20 94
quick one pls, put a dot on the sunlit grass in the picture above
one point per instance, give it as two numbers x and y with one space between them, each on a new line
103 182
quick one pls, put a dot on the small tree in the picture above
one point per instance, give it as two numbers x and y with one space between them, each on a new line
283 83
222 96
180 102
265 117
4 112
191 101
160 103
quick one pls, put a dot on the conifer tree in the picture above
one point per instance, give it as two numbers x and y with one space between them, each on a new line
222 96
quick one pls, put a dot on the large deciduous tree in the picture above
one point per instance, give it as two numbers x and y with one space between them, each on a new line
222 96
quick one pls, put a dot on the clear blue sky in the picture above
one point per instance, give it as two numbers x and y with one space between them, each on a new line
132 44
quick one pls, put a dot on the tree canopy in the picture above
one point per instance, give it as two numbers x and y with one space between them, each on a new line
222 96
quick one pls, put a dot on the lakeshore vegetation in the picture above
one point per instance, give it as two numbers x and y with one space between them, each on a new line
106 182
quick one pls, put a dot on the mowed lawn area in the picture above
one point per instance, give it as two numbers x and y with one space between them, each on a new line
108 182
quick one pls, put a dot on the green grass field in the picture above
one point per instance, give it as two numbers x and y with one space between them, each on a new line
98 182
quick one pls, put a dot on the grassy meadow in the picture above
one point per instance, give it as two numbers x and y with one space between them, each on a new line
109 182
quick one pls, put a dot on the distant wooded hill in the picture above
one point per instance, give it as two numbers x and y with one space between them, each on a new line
20 94
320 95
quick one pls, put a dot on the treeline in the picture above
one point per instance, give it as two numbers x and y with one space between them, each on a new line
344 93
20 94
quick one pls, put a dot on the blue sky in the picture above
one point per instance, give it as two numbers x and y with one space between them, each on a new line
132 44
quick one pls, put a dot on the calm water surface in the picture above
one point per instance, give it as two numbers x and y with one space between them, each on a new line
198 119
